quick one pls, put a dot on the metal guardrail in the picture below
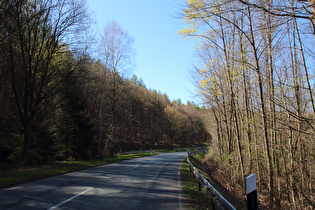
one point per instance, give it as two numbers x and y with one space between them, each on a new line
219 202
139 151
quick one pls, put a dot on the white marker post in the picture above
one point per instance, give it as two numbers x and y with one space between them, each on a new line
251 192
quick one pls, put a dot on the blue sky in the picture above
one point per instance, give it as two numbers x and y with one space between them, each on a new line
163 59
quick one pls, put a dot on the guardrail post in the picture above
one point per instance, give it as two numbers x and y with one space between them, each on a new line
214 200
251 191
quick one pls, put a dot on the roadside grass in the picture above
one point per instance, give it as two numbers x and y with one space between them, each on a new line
11 176
194 198
182 149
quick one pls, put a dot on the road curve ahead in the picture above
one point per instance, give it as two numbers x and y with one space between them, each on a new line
151 182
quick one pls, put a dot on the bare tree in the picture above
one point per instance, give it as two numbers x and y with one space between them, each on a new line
36 34
116 51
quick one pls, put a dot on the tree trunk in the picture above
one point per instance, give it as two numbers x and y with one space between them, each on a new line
263 112
27 130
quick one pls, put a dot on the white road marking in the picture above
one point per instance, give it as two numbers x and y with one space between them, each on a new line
147 190
69 199
134 167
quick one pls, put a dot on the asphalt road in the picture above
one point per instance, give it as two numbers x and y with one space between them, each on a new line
151 182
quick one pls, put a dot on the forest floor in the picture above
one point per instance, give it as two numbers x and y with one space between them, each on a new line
234 196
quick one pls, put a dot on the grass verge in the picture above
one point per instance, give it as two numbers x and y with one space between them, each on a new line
17 175
194 198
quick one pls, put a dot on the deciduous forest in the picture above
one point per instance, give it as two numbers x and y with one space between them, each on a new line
62 100
256 75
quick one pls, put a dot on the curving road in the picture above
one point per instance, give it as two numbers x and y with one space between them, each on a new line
151 182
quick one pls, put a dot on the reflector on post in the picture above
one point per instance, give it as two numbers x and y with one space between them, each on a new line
251 191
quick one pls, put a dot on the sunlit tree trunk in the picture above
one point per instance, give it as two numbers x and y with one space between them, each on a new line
263 110
246 88
233 106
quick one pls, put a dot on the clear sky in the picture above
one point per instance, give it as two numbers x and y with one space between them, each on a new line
163 59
